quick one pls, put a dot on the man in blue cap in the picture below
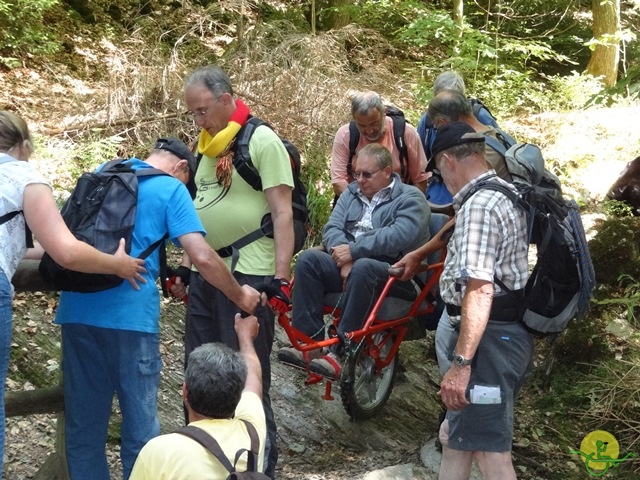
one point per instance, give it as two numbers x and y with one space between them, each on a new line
111 337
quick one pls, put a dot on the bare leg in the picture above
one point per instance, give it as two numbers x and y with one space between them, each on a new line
455 464
495 465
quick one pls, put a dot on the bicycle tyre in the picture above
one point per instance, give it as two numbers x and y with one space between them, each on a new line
369 391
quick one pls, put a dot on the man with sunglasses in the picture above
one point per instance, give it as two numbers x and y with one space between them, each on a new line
374 223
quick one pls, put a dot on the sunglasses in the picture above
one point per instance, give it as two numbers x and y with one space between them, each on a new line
365 175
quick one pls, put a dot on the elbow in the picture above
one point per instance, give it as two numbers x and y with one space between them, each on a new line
203 259
66 258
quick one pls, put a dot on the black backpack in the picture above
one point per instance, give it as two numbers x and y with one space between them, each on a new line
399 124
211 444
560 285
245 168
100 211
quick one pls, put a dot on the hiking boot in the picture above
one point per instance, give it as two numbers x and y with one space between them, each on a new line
297 358
328 366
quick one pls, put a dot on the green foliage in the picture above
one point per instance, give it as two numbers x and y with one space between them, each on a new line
24 31
389 17
630 298
572 92
615 249
91 154
584 340
617 209
500 71
315 175
510 92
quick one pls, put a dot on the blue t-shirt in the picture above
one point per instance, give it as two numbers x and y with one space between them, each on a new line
164 206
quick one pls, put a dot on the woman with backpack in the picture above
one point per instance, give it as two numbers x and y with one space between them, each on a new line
27 204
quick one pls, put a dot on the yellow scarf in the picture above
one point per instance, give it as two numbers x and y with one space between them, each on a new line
213 147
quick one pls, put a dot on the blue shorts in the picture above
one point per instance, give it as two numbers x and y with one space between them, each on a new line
502 360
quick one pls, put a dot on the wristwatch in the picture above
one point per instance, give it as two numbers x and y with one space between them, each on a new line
460 361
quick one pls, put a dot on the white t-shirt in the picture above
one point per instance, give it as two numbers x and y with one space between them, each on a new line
14 177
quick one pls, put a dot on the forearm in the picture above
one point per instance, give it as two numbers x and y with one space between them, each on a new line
422 186
476 307
213 269
254 369
34 253
283 240
186 260
340 187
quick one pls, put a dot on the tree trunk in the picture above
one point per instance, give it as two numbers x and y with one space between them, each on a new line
458 14
606 55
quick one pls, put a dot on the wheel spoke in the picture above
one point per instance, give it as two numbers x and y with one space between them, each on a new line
370 389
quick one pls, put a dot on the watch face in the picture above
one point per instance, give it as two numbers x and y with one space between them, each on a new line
460 361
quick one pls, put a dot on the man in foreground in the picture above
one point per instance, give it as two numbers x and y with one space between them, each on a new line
221 389
487 349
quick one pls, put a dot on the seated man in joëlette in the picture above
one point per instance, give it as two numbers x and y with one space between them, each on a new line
374 223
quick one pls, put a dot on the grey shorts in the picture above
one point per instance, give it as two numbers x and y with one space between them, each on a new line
503 359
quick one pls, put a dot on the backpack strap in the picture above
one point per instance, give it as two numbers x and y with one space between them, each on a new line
8 216
208 442
354 139
249 173
28 236
241 156
399 126
211 444
253 452
233 250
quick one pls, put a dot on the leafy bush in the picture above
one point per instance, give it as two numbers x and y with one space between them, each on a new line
315 175
571 92
615 250
24 31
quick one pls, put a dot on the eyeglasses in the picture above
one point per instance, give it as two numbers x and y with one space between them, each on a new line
202 112
365 175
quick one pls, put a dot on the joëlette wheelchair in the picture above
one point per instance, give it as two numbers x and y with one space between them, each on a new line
371 354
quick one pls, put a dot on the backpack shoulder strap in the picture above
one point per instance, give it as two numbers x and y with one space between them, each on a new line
253 452
501 143
150 172
8 216
354 139
208 442
399 126
28 236
499 187
241 156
